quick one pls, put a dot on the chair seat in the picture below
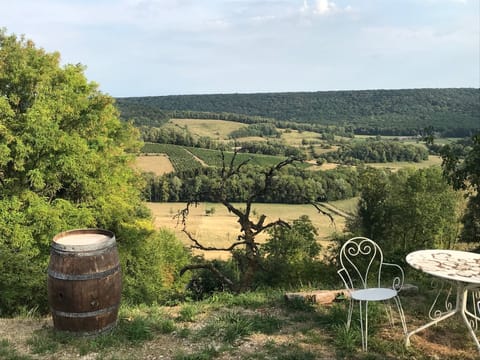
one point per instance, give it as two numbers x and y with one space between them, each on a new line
373 294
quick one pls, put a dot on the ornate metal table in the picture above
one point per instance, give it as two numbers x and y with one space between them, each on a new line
463 269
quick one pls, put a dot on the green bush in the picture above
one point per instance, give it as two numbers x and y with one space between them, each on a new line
150 267
204 282
22 283
290 255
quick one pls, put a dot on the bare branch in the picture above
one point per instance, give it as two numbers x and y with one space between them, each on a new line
199 246
223 164
232 209
269 176
182 214
279 222
323 212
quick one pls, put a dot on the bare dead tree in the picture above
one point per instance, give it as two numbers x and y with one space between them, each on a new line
249 227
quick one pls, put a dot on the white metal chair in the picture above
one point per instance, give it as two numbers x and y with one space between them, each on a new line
361 261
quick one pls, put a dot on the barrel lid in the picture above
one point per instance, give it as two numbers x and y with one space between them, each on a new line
83 240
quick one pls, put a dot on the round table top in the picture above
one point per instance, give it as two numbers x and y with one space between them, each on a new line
455 265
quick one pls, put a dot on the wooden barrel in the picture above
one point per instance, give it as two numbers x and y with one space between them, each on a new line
84 281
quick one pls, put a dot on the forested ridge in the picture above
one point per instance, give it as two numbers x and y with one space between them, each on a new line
455 111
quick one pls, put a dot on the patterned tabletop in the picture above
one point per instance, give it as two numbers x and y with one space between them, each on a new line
449 264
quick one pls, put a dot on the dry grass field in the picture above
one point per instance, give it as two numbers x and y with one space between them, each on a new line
215 129
158 164
433 160
325 166
221 228
295 137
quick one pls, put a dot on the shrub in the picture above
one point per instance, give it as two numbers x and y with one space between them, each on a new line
150 267
289 255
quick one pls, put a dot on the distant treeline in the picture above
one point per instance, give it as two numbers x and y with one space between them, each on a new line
292 185
377 152
451 112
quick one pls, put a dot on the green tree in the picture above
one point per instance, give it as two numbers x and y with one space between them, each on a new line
408 210
463 172
64 163
290 253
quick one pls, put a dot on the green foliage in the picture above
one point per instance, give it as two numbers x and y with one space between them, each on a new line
64 163
150 268
9 353
233 325
386 112
299 304
461 167
346 338
137 330
43 345
205 283
291 185
269 147
290 253
188 312
260 129
266 323
379 152
407 211
167 134
248 300
141 112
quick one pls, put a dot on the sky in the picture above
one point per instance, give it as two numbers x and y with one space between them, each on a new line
173 47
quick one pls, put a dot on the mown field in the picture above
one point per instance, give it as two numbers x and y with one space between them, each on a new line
221 228
433 160
158 164
215 129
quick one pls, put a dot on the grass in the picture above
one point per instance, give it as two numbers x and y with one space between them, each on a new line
216 129
433 160
222 228
8 352
254 325
157 164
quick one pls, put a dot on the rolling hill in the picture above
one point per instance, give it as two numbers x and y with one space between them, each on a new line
455 112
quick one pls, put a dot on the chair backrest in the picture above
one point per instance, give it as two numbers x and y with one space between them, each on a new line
361 261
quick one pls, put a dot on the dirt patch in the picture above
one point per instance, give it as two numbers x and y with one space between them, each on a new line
18 331
323 167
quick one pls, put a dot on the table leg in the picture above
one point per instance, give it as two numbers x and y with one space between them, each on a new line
460 307
433 322
436 320
463 292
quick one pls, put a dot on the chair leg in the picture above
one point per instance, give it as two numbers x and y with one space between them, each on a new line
364 324
402 315
388 310
350 311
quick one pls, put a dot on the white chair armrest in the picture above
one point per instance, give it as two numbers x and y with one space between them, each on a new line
397 281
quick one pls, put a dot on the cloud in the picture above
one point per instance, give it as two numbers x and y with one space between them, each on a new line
323 7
